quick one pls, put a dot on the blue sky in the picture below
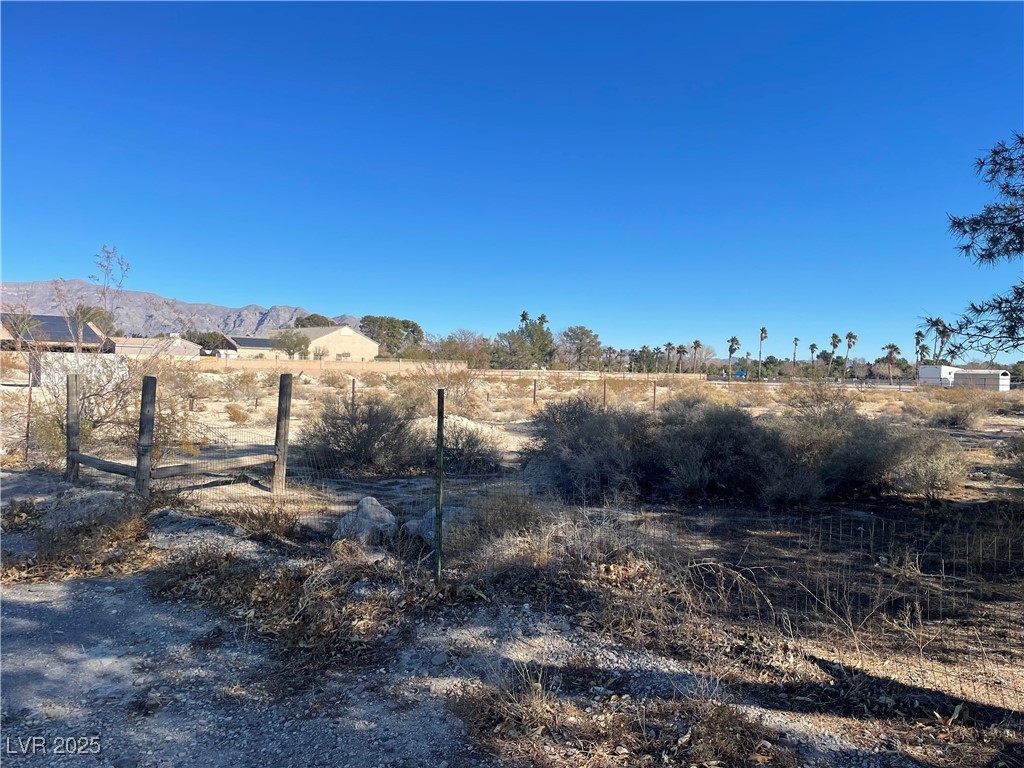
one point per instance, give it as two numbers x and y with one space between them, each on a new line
657 172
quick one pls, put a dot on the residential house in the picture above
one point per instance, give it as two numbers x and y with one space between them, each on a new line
337 342
169 346
50 333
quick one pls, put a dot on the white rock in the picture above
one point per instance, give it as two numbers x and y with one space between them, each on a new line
370 523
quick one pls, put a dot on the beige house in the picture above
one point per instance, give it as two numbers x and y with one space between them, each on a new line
338 342
171 346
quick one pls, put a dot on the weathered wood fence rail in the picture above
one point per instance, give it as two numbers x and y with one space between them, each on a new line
143 472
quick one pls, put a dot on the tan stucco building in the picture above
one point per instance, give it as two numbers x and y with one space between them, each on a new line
338 342
170 346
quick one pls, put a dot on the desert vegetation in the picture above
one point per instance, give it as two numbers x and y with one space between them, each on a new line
799 550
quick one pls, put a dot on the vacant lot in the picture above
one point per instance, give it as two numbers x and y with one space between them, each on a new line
633 624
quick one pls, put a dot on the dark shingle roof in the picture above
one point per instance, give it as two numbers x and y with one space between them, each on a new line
52 328
253 342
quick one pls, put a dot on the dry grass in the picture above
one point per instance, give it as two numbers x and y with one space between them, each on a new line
19 515
316 612
265 519
531 718
12 361
236 413
110 545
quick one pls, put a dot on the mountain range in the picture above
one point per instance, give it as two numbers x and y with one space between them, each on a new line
138 312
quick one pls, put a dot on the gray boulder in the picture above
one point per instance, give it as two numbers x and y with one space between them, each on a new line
370 523
425 527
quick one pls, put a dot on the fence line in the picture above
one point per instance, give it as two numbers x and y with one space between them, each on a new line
143 471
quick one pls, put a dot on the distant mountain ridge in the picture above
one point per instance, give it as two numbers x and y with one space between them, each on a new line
139 312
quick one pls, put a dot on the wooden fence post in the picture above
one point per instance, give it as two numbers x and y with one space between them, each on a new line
284 412
74 408
144 452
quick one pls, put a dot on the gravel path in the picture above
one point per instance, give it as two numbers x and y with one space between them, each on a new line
165 684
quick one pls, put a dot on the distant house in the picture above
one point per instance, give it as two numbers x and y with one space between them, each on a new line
949 376
337 342
49 333
170 346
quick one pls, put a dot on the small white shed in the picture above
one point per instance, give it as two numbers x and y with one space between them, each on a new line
994 380
937 375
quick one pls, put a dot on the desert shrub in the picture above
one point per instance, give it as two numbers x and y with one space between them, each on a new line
819 400
420 388
967 414
13 361
690 393
860 458
236 413
373 379
1012 454
468 449
371 435
596 454
709 450
243 386
752 395
263 519
336 380
927 464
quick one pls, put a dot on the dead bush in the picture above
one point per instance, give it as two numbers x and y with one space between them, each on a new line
265 519
967 414
236 413
308 610
104 545
13 361
495 514
819 400
538 715
336 380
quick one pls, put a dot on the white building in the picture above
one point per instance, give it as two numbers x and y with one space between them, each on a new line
948 376
937 375
995 380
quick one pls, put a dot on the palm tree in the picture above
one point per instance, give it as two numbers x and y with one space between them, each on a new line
813 348
942 333
918 341
891 351
734 344
696 347
681 351
764 335
796 341
851 340
923 353
656 359
834 343
669 349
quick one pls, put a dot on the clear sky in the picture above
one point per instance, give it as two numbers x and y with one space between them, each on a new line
658 172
